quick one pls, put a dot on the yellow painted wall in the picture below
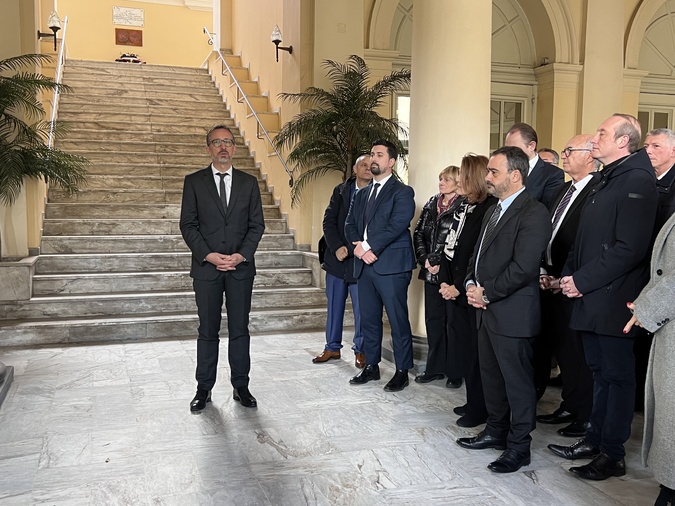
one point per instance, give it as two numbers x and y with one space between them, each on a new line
172 35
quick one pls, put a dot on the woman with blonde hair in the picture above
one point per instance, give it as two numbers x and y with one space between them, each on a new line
459 246
429 239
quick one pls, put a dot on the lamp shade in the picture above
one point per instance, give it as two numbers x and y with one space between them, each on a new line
54 21
276 34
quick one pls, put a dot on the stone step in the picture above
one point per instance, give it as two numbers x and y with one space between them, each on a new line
138 81
196 159
195 139
117 69
128 211
140 243
188 95
163 326
142 182
135 262
151 281
168 173
147 127
139 196
58 227
117 146
206 118
129 103
139 304
108 108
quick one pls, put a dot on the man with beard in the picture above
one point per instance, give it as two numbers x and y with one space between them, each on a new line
378 226
221 220
503 282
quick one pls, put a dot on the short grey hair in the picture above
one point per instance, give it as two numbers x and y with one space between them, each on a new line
670 135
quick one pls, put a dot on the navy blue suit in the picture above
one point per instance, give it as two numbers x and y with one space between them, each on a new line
385 281
543 181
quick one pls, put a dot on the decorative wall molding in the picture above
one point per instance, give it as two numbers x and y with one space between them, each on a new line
195 5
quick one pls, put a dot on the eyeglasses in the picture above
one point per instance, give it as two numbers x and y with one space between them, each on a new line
568 151
216 143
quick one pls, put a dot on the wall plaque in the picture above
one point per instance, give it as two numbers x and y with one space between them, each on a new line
128 16
127 37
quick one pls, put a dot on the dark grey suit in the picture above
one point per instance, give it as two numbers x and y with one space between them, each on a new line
207 227
508 269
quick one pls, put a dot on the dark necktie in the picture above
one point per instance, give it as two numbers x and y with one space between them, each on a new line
223 190
489 231
370 205
563 205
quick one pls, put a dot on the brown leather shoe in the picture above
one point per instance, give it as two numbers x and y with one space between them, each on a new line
360 360
326 356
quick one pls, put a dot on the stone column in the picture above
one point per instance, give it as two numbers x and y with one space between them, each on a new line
602 78
449 99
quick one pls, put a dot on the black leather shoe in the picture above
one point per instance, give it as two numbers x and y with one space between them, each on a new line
600 468
427 378
453 383
575 429
465 421
398 382
558 416
482 441
509 461
368 373
200 400
244 397
460 410
579 450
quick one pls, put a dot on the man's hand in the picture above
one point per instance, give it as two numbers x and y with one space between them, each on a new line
224 262
547 282
433 269
569 288
342 253
448 292
367 256
474 295
633 320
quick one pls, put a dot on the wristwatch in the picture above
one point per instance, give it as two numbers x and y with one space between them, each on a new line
485 299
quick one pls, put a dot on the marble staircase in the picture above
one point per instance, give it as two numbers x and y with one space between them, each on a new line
112 264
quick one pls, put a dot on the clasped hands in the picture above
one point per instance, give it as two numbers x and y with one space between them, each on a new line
224 262
367 256
474 295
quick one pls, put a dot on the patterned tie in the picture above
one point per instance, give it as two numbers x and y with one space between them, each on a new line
563 205
370 205
489 231
223 190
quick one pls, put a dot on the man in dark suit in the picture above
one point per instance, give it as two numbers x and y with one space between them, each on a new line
378 226
503 283
337 259
543 179
608 267
222 223
660 147
556 336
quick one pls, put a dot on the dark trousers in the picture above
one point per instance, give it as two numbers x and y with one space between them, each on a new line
464 327
508 384
544 344
443 353
209 297
390 291
612 362
568 347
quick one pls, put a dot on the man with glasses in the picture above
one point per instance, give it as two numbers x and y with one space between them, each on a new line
222 223
608 267
556 336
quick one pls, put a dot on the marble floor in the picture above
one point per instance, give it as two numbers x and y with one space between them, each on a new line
110 424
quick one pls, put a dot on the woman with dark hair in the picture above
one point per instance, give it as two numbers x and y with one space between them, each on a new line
459 245
654 309
429 238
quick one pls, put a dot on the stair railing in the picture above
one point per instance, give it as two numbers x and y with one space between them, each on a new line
59 76
241 94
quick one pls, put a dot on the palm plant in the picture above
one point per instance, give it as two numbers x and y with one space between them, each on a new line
341 124
23 146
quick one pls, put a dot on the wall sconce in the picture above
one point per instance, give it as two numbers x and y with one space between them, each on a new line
276 39
54 24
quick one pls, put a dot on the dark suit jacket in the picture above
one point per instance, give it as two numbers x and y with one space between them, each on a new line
567 231
388 229
543 181
334 232
610 258
207 227
508 267
666 199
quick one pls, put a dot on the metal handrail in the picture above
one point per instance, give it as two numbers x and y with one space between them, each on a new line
243 95
58 77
